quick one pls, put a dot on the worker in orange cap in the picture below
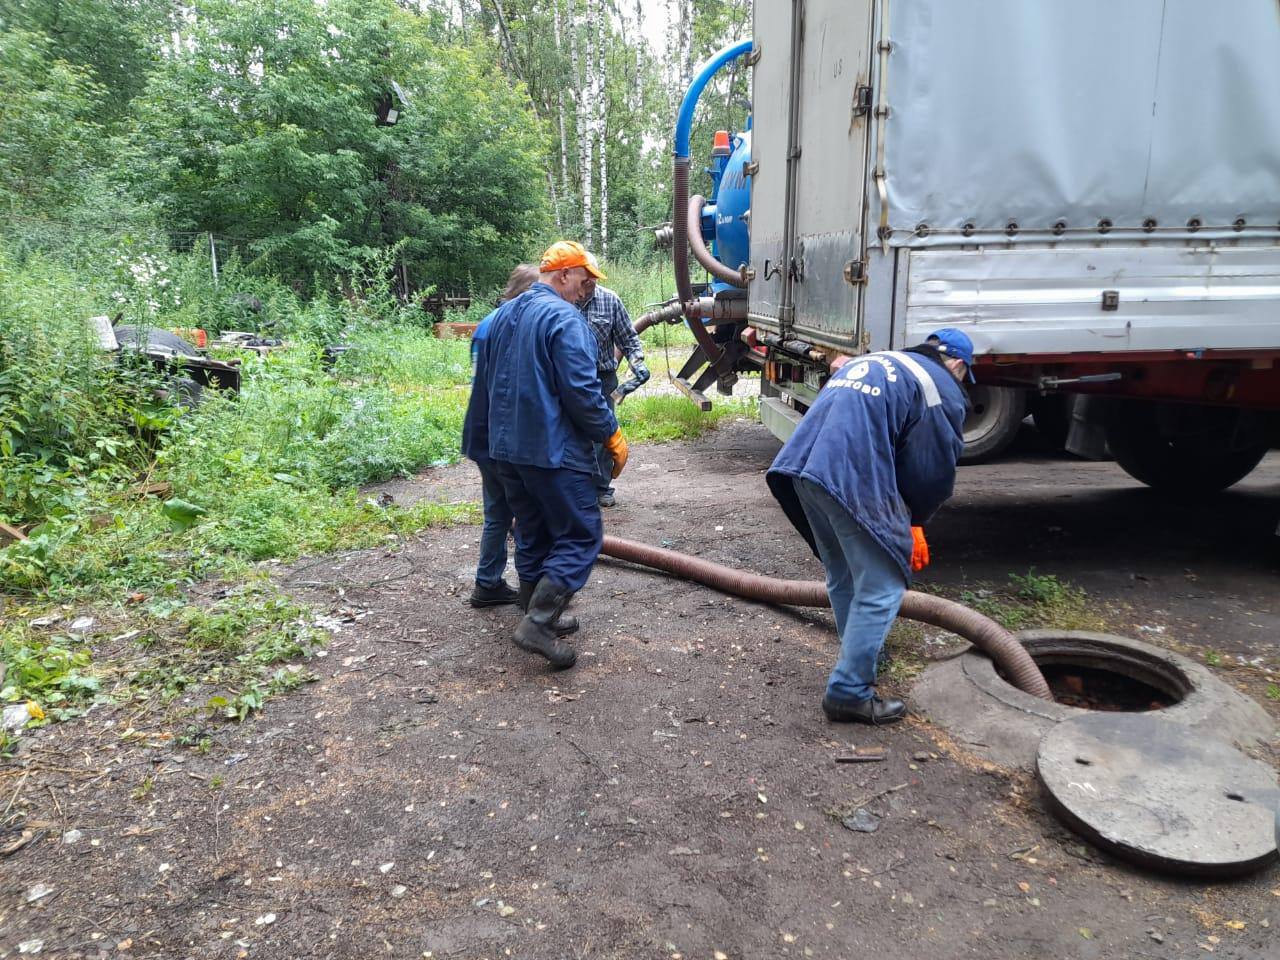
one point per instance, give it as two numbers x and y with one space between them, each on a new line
536 409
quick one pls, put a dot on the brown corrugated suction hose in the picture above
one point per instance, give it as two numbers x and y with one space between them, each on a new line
984 633
680 261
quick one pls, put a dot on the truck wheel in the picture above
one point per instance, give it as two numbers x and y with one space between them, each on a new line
994 418
1052 417
1184 448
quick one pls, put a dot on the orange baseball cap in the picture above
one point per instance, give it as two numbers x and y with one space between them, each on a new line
564 254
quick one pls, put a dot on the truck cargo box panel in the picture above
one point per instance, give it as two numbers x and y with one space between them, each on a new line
770 88
1068 114
831 188
1112 299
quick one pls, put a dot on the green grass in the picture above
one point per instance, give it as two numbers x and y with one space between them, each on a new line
54 671
238 650
407 356
1033 600
903 661
674 337
272 474
643 287
640 285
661 418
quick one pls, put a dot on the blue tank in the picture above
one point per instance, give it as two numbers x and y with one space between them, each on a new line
724 220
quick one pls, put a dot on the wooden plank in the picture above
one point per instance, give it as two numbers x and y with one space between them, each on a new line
10 534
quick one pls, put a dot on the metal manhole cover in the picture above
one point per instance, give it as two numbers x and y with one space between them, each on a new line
1161 794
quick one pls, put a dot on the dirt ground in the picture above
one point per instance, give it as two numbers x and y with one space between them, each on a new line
438 793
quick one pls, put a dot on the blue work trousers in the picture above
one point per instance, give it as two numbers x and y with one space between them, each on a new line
865 585
604 459
497 527
558 529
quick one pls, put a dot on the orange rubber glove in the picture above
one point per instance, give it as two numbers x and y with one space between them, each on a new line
919 549
617 447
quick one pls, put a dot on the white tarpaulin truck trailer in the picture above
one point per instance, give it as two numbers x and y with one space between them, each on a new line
1089 188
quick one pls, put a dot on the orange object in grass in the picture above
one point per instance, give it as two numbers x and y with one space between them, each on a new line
193 335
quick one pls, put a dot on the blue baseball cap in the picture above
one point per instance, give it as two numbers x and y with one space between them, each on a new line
953 342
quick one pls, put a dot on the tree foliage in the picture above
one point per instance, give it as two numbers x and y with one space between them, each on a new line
270 135
115 41
254 120
48 140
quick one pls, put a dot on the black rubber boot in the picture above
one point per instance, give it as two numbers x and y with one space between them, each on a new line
536 631
566 623
495 596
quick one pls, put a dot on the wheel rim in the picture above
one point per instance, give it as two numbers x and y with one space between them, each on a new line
988 408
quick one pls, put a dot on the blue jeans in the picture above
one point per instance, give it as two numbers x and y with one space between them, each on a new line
604 459
497 525
558 528
865 585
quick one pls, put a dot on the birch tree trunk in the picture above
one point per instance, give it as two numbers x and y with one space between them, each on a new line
602 103
555 200
582 121
686 43
672 73
505 35
635 102
564 143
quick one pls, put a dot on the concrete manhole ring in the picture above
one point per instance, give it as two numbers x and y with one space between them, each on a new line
980 709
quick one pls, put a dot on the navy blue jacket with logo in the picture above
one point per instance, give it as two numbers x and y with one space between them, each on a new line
882 439
536 398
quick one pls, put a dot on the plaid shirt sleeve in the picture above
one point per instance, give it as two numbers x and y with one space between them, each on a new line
611 324
622 332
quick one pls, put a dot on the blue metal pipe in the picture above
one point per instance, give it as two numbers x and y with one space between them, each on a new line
684 120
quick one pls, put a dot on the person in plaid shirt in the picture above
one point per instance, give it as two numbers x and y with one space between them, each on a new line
614 333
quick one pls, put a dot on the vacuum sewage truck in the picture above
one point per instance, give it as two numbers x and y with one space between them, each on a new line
1090 189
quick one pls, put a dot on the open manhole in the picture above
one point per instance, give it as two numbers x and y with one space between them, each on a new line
1087 674
1092 688
1137 752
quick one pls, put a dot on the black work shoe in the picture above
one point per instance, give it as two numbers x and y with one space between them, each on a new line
495 596
565 623
536 632
873 710
607 500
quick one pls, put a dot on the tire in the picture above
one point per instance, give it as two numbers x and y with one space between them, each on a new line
1184 449
1052 417
994 418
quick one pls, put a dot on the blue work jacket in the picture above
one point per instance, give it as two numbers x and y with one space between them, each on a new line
882 440
480 334
536 400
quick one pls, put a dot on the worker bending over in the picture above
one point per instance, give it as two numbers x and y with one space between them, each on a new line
866 468
535 410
